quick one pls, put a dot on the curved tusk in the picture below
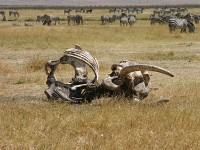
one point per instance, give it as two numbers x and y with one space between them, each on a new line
108 84
144 67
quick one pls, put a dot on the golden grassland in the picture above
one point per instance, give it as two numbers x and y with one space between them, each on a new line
29 121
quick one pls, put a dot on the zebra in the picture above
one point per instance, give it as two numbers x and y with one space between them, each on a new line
13 12
2 13
67 11
124 21
196 18
75 18
158 11
188 17
88 10
154 20
112 10
176 23
116 17
50 18
40 18
104 19
139 10
166 12
180 9
131 19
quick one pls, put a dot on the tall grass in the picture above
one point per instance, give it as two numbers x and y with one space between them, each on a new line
29 121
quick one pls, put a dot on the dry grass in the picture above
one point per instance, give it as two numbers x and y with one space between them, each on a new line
29 121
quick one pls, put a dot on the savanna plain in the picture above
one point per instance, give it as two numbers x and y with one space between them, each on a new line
29 121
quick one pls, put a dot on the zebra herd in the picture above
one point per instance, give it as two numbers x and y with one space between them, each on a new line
15 13
123 18
174 17
69 10
127 10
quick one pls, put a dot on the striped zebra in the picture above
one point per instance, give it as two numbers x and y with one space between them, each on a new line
112 10
50 18
67 11
124 21
78 19
104 19
40 18
183 24
13 12
131 19
196 18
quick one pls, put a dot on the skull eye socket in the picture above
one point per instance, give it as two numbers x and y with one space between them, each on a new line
137 81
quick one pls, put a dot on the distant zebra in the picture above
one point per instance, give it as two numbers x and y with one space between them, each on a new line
188 17
112 10
116 17
88 10
196 18
139 10
131 20
78 19
50 18
13 12
2 12
154 20
180 9
40 18
175 23
67 11
104 19
124 21
158 11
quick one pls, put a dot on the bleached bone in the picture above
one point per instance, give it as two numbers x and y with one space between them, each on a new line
132 78
79 59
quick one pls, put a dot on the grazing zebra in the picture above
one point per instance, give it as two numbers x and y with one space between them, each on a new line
158 11
166 12
188 17
154 20
131 20
112 10
2 12
75 18
116 17
88 10
124 21
40 18
50 18
124 10
104 19
67 11
139 10
175 23
13 12
180 9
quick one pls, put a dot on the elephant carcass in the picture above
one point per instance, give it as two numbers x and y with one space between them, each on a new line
80 88
131 79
